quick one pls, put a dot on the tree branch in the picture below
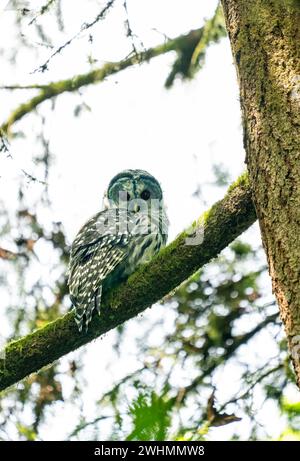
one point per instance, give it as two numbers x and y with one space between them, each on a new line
183 44
227 219
10 255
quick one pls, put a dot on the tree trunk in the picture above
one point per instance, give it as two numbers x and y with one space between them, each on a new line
265 41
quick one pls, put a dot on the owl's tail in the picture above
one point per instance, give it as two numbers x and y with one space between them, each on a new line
84 308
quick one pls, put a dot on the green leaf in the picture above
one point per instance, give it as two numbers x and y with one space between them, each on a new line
151 417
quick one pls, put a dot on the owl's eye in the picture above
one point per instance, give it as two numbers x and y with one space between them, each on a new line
145 195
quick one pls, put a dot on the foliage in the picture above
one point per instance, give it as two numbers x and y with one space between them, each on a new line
292 411
150 417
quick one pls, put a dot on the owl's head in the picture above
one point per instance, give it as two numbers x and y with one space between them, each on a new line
131 186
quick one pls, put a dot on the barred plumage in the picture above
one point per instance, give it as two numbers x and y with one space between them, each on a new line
112 244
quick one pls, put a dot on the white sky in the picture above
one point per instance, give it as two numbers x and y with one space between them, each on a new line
133 123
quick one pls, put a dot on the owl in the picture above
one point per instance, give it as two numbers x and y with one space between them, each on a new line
131 228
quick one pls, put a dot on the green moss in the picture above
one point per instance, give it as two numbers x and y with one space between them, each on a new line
242 181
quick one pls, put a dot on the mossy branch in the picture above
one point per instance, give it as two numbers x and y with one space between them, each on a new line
95 76
227 219
183 45
191 59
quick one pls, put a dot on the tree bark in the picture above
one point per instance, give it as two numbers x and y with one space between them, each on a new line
265 41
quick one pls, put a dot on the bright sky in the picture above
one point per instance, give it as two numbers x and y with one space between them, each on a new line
133 122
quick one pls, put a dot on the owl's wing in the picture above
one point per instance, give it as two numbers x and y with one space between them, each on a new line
97 250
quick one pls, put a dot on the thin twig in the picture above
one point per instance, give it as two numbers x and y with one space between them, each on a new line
85 26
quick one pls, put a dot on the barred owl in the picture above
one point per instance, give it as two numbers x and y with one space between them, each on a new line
129 231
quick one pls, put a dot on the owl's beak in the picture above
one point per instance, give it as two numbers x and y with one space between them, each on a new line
136 208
